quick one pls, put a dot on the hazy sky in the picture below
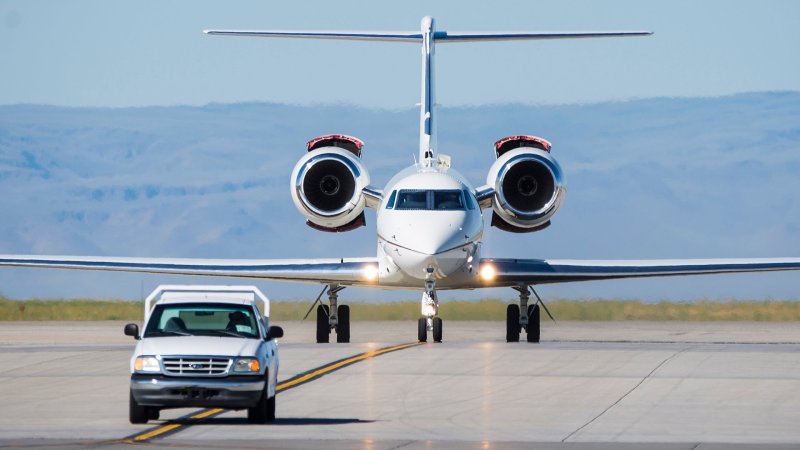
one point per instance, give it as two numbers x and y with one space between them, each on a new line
111 53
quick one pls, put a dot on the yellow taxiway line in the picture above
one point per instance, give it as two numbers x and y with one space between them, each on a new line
293 382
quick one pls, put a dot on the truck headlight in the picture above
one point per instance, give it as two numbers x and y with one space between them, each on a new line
247 365
146 364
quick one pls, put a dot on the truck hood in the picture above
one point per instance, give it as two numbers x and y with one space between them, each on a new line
200 345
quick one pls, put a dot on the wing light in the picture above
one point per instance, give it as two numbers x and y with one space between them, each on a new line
370 272
487 272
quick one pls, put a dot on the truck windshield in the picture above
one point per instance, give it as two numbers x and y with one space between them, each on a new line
206 319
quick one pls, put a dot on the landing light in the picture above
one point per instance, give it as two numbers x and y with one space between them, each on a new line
487 272
370 272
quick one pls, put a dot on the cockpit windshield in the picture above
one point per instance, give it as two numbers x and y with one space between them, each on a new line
448 200
440 200
412 200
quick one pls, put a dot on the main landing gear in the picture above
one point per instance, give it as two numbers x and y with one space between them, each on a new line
430 312
529 321
332 317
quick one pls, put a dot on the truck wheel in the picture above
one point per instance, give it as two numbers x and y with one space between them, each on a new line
258 413
271 408
153 413
136 412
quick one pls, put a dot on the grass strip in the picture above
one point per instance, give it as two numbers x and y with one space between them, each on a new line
490 309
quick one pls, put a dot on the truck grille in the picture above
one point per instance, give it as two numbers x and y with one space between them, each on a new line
195 365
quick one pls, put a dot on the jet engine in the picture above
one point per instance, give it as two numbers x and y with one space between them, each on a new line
328 183
528 183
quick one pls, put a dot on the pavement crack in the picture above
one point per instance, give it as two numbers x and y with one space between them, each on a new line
626 394
403 445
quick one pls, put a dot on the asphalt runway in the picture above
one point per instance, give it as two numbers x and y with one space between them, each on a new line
655 385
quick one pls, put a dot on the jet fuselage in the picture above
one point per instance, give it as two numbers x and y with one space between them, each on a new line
429 226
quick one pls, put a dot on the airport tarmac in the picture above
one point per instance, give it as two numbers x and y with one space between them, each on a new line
603 385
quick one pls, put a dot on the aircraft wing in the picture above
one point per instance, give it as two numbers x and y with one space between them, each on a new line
509 272
344 271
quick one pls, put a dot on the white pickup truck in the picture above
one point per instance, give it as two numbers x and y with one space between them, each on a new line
204 346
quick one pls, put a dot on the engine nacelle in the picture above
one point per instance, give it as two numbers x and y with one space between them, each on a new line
529 184
328 184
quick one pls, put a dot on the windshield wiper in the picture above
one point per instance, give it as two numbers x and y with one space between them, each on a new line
168 332
227 333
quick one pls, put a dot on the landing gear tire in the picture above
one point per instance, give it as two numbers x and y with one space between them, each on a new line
136 412
343 326
422 330
323 327
437 329
264 411
533 329
512 323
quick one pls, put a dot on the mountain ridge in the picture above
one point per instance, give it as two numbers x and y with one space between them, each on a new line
652 178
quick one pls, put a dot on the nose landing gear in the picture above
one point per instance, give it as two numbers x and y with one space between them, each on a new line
430 311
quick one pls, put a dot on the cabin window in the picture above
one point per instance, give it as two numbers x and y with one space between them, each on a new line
390 203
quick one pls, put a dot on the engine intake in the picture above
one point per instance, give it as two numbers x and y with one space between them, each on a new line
528 183
328 183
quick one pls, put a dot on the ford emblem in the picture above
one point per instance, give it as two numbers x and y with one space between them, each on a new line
197 366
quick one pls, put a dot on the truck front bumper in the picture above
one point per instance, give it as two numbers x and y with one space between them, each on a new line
242 391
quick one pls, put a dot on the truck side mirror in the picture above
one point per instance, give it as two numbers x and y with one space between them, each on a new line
274 332
132 329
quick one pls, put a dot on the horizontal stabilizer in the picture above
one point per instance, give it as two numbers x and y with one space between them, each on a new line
447 37
400 36
416 36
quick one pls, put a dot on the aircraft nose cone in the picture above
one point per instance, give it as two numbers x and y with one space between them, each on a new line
427 239
434 243
430 239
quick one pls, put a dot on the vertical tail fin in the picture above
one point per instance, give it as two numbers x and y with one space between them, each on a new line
428 37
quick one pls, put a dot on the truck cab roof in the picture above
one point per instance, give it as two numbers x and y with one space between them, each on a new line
171 294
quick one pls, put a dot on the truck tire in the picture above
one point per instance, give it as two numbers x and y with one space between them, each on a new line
258 413
264 410
136 412
271 408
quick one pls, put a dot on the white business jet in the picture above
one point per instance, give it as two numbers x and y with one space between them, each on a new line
429 217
